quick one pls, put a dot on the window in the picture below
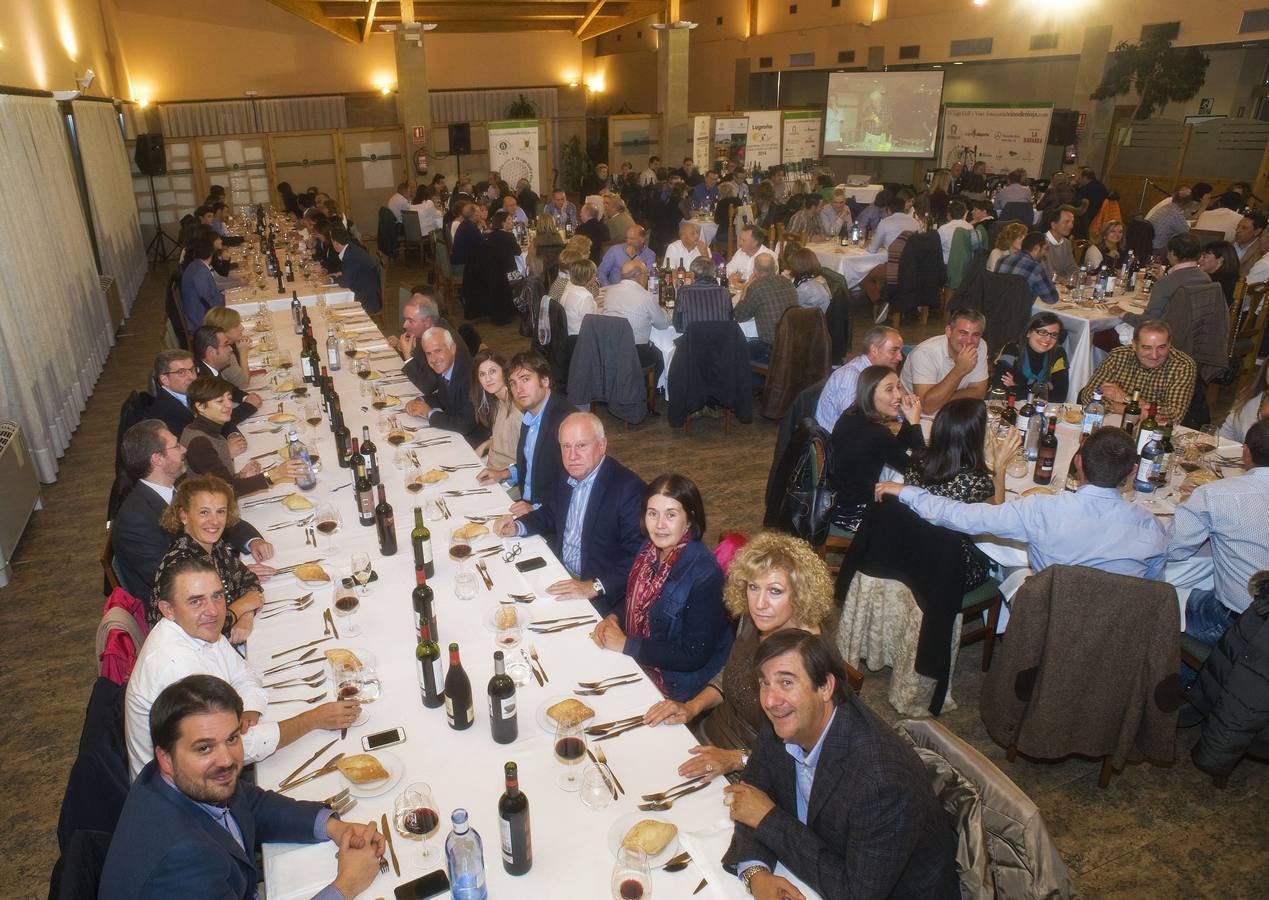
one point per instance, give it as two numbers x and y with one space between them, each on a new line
801 59
764 62
1044 41
911 51
845 56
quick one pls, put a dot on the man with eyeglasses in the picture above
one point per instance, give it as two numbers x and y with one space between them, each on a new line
155 461
213 351
591 518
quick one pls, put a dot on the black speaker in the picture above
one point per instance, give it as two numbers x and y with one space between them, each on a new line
150 156
1062 127
459 137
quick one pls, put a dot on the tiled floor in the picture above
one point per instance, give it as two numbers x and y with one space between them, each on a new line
1155 833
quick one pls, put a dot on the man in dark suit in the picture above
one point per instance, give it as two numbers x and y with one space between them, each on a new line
592 226
591 518
198 285
174 372
212 352
445 384
538 468
358 271
831 791
155 461
190 828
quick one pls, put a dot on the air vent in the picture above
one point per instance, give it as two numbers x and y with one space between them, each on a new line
1254 20
718 21
911 51
793 9
971 47
1161 31
1044 41
835 3
801 59
845 56
764 62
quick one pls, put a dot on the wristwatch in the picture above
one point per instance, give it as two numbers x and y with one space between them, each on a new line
749 874
598 586
744 757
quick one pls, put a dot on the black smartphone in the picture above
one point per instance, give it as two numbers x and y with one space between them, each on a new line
429 885
528 565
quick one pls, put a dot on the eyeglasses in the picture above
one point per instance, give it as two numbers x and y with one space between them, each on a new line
1047 335
512 552
188 370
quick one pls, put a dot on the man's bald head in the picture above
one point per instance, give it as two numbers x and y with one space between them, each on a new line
764 264
419 313
635 270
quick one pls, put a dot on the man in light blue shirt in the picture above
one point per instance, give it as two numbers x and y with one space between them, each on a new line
1092 527
883 346
635 247
898 220
1232 515
561 210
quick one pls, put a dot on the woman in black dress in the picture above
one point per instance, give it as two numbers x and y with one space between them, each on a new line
866 439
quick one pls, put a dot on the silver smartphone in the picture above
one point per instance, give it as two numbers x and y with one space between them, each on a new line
381 739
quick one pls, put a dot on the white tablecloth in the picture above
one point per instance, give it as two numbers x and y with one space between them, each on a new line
865 194
853 262
247 300
708 229
570 843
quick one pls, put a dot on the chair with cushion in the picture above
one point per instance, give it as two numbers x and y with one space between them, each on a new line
389 232
1089 668
921 276
799 358
451 278
1004 848
710 368
412 238
605 366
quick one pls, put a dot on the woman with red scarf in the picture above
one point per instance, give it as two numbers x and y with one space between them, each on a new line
673 622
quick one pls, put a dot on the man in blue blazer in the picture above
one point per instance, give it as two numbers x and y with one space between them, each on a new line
591 518
359 272
444 384
831 791
190 828
538 468
198 285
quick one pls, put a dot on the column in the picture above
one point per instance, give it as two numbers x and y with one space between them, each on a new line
672 79
413 104
1094 143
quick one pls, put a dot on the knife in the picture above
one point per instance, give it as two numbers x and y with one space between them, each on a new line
602 774
300 647
324 770
618 732
304 765
557 628
700 887
286 570
330 620
563 619
387 837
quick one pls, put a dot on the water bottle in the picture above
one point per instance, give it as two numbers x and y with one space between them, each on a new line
1032 445
295 450
333 350
465 860
1094 414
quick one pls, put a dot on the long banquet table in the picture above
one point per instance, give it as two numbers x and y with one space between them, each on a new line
571 842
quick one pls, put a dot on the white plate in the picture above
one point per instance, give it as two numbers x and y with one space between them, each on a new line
396 769
1229 451
367 658
545 722
623 825
313 584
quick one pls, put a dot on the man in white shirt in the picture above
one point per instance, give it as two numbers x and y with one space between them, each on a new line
951 366
749 247
898 220
400 201
955 222
430 215
1224 217
629 298
688 247
648 176
188 640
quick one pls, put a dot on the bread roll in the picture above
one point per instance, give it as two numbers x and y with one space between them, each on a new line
470 531
296 502
650 836
311 572
341 657
362 769
282 418
570 712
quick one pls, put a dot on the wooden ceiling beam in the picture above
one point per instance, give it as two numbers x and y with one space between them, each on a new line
370 21
311 12
595 7
599 27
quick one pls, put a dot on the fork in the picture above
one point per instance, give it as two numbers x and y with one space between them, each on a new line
661 805
278 526
603 761
278 610
599 692
311 681
310 700
601 682
533 654
459 467
523 598
661 795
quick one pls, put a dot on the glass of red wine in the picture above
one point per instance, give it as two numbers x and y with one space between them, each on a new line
570 752
415 817
327 521
348 686
346 606
630 877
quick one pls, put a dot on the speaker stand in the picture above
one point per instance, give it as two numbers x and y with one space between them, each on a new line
157 250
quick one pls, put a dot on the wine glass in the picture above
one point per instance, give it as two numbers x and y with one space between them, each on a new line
630 877
350 346
507 625
570 752
327 520
594 792
346 606
361 571
1018 465
414 814
413 479
348 686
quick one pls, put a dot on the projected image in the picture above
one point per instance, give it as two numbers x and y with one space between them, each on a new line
882 113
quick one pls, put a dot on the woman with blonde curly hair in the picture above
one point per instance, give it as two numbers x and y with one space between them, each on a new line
776 581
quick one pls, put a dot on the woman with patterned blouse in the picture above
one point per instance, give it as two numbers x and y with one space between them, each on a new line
962 463
200 510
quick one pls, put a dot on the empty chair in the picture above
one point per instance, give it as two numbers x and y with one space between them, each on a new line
838 315
413 233
98 781
1088 667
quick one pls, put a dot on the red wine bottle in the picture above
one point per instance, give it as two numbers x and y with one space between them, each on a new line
427 657
458 705
385 525
361 487
342 438
424 609
371 454
502 705
513 819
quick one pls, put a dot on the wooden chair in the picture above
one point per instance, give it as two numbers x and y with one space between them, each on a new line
1078 248
413 237
984 598
451 277
107 560
726 417
1206 236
